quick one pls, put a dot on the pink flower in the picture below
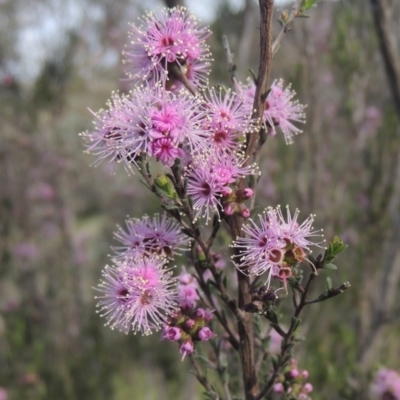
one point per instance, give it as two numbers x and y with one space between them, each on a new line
159 235
227 121
137 295
208 177
187 296
168 37
204 333
265 247
386 384
187 279
165 151
280 109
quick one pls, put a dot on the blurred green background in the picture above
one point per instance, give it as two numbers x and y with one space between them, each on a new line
57 213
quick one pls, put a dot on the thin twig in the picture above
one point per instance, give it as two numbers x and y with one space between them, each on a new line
177 73
391 57
288 340
200 376
286 25
229 57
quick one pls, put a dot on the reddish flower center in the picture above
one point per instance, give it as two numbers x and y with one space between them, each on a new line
220 136
275 255
205 189
167 41
146 298
123 295
113 134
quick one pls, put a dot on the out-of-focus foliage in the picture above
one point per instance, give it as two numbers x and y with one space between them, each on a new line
58 213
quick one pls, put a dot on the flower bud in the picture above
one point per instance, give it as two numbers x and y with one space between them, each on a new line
304 374
186 348
229 208
278 388
307 388
172 333
294 373
200 313
244 194
204 333
245 213
226 191
190 323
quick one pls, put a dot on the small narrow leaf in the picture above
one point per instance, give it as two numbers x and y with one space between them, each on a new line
329 283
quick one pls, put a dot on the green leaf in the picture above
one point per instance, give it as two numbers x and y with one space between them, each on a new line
307 4
329 283
165 184
330 266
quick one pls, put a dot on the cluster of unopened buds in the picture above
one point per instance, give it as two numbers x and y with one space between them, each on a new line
188 324
187 327
233 201
292 384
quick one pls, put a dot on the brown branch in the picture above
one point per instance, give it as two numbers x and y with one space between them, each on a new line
391 57
245 326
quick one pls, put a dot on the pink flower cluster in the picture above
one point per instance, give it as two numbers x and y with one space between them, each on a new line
189 325
150 121
292 382
386 385
137 294
274 244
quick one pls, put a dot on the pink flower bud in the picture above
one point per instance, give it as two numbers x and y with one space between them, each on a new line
245 213
207 275
172 333
307 388
186 348
304 374
204 333
226 191
302 396
219 262
208 317
278 388
190 323
294 373
200 313
229 208
244 194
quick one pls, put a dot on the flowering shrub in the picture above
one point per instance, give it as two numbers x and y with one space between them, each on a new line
208 141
